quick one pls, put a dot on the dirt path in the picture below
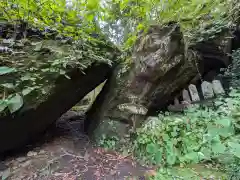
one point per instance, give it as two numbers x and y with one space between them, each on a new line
67 154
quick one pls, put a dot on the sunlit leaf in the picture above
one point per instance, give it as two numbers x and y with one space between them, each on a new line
15 103
7 85
3 105
151 148
6 70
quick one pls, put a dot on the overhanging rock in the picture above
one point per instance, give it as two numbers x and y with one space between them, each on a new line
34 56
20 128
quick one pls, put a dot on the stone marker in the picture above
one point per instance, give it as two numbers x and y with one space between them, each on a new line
193 92
186 96
217 87
176 101
207 90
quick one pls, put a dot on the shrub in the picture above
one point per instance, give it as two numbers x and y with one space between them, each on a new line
199 135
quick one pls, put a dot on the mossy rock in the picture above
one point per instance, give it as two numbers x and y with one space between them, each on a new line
110 129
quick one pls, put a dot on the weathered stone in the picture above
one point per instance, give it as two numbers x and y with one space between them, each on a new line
176 101
179 107
21 159
27 125
31 153
160 67
109 128
193 92
186 96
207 90
214 54
217 87
60 93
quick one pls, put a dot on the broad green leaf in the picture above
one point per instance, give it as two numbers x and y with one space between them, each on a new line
166 137
158 156
92 4
8 85
6 70
151 148
218 148
235 148
225 122
206 152
171 159
15 103
38 46
3 105
192 157
27 91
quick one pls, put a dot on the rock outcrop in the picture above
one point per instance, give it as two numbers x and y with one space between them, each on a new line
160 67
63 90
22 127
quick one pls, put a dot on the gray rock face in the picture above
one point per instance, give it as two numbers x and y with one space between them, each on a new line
158 68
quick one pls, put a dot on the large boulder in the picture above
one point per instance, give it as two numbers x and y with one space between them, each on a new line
57 69
24 126
159 68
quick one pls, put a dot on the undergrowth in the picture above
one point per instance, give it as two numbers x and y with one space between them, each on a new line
200 135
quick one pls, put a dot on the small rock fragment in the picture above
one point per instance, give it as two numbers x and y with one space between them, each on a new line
25 164
31 153
21 159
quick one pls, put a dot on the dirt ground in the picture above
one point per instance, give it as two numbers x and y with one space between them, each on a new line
65 153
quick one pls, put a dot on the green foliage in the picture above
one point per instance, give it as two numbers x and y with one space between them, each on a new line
199 135
197 172
30 65
6 70
108 142
126 18
233 170
30 71
233 70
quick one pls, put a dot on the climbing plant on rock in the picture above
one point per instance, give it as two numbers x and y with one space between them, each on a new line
39 45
